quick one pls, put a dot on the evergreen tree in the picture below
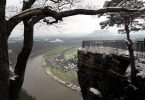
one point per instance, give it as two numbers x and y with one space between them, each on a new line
127 22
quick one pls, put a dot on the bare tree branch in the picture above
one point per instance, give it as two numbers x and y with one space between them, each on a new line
59 15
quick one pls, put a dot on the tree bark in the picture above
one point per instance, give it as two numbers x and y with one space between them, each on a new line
22 61
130 49
4 63
23 56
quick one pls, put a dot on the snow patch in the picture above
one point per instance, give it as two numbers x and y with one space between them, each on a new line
95 91
57 40
12 74
141 69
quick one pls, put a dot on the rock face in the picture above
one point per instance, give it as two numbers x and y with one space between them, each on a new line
102 77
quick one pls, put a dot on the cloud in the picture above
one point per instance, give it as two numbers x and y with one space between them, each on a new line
14 2
73 26
82 24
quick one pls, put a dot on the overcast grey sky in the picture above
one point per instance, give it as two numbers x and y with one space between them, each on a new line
74 25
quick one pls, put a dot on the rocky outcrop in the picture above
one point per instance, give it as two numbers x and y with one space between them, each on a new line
104 77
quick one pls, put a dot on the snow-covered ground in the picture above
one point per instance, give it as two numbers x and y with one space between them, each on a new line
110 50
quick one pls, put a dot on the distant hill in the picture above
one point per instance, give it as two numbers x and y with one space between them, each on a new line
100 35
106 35
96 35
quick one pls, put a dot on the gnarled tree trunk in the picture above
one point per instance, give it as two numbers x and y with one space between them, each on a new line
130 49
4 63
23 56
22 61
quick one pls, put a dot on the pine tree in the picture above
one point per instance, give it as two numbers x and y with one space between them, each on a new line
127 22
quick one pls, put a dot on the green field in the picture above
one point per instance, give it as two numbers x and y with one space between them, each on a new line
63 74
51 54
70 54
67 76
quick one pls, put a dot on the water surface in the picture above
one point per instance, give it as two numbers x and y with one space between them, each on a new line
38 84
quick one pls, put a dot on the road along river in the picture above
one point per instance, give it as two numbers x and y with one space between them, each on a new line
41 86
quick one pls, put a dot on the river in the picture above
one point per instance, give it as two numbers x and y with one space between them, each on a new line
41 86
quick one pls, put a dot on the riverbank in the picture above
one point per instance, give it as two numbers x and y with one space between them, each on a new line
67 84
41 86
58 71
